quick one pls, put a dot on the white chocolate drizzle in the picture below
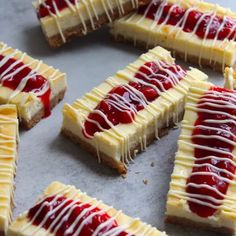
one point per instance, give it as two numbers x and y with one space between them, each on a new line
174 31
92 14
178 182
8 159
35 64
76 199
230 78
121 104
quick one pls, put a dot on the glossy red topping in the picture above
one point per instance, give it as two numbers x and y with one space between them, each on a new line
49 7
204 25
63 216
215 132
14 73
123 102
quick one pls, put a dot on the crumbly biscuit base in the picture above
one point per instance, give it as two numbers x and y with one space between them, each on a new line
39 115
191 59
77 31
188 222
110 161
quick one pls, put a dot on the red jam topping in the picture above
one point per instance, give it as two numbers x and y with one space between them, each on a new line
13 73
124 101
63 216
204 25
214 133
49 7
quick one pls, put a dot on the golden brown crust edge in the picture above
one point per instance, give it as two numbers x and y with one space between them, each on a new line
205 226
104 158
37 117
107 160
191 59
77 31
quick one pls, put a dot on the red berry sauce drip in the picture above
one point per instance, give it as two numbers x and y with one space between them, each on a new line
208 27
51 6
62 217
35 83
124 101
208 170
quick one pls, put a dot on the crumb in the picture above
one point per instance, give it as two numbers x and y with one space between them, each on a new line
152 164
177 125
124 176
145 181
137 172
171 160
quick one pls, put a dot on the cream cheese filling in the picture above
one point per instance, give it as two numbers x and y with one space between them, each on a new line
28 104
177 204
84 11
137 27
119 140
22 226
230 78
8 157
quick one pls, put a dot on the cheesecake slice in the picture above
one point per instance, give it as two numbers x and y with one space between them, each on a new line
8 159
64 210
202 189
131 109
197 31
63 20
34 87
230 78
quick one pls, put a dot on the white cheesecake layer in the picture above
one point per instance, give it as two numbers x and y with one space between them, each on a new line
138 28
168 106
177 205
8 158
22 226
80 14
230 78
28 104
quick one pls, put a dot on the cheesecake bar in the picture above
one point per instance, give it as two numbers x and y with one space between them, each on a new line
64 210
8 159
34 87
63 20
131 109
202 189
230 78
197 31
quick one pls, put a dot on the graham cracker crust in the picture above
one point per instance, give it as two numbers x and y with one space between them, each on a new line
37 117
110 161
77 31
205 226
191 59
104 158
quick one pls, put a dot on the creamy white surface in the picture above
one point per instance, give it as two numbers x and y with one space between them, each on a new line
80 13
137 27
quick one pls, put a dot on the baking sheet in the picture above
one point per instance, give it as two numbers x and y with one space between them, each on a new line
45 156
